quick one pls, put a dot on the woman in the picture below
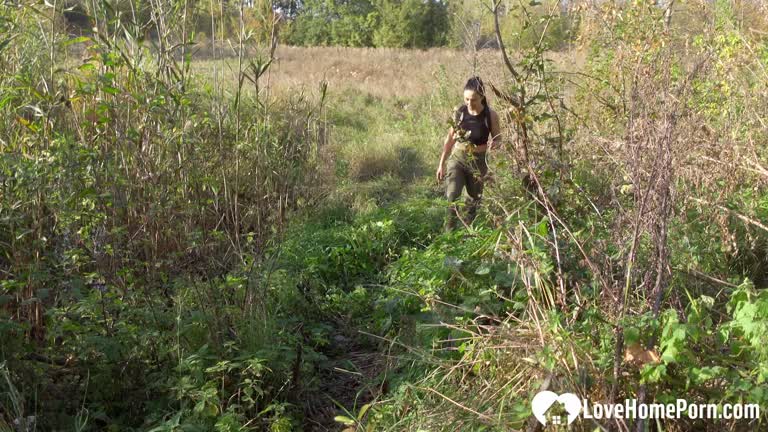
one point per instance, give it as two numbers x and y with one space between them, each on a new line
475 130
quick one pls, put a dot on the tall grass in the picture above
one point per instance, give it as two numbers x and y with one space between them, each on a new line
169 174
121 176
141 190
616 239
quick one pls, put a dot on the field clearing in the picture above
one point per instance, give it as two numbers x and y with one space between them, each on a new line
371 92
380 72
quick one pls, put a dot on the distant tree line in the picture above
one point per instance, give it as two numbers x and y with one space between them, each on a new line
424 23
372 23
359 23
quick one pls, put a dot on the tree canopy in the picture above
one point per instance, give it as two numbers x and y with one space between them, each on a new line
380 23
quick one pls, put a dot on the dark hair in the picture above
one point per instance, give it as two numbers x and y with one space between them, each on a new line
476 84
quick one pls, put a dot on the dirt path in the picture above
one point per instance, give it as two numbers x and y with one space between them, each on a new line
349 376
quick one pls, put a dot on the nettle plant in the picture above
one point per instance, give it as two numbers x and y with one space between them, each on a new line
699 352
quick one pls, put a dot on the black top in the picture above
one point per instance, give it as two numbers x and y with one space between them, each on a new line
477 125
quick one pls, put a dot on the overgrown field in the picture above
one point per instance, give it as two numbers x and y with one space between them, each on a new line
251 238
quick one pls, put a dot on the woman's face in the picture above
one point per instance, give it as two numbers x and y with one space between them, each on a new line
473 100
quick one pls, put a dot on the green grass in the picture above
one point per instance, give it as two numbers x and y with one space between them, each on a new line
375 137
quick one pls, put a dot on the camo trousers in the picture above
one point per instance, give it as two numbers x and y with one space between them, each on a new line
461 174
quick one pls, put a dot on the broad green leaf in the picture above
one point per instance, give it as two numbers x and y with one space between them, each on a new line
111 90
631 335
363 410
344 420
76 40
483 269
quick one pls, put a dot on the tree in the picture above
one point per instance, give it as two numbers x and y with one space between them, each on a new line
383 23
334 22
287 8
411 23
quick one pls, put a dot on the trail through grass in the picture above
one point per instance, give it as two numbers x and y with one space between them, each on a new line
339 262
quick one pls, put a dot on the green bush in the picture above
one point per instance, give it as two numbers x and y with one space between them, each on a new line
381 23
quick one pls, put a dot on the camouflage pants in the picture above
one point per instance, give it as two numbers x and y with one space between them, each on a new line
460 174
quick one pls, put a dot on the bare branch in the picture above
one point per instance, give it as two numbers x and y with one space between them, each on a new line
500 41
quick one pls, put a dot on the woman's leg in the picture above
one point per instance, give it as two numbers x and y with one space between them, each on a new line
479 168
455 180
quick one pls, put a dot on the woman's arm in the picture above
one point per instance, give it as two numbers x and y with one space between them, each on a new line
495 137
450 140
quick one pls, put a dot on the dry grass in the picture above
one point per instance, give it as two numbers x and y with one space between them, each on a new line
381 72
397 80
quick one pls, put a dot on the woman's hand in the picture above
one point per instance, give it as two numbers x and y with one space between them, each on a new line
440 172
